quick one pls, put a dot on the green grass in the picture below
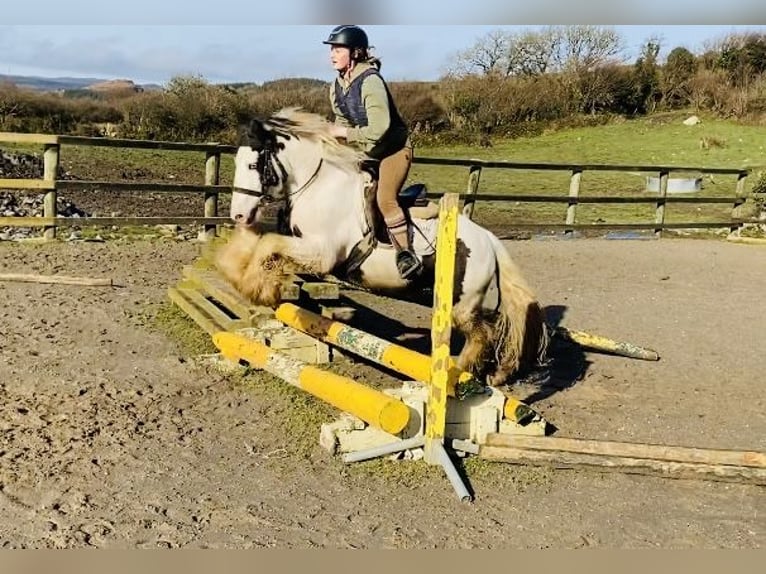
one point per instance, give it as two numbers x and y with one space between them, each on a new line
658 140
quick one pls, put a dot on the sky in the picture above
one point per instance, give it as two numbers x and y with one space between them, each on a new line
256 40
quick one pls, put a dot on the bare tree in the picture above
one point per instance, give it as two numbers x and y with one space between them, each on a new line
487 56
532 53
585 47
536 52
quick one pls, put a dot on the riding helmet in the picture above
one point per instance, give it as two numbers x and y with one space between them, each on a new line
349 36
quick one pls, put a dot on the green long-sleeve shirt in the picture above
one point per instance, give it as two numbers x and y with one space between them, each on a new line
385 132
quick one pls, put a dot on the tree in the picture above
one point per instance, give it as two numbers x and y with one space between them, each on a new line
585 47
680 67
533 53
743 57
536 52
647 76
487 56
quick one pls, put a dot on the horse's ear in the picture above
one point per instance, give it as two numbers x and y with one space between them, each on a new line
257 135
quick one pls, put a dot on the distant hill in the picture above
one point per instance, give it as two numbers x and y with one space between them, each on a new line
114 85
68 83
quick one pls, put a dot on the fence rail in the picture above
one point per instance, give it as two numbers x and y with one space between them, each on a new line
211 188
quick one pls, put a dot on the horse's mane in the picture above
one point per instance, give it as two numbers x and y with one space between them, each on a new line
294 121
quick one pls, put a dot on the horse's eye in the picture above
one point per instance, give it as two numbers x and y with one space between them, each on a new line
253 165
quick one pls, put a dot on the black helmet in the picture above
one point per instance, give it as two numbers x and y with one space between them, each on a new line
350 36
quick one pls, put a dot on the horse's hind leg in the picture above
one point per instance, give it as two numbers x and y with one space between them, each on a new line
467 318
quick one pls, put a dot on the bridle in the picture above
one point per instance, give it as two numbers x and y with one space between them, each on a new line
269 177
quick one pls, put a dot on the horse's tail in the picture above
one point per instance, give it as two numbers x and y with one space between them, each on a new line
521 336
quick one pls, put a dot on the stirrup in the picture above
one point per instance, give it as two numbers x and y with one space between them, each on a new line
407 264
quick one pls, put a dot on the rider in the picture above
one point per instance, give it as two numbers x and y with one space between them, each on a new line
367 118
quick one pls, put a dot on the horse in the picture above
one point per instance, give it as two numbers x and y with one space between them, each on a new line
324 195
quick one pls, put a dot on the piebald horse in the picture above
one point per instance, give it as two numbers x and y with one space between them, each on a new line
293 159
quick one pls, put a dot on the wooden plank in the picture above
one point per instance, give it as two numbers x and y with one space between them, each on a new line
210 282
575 166
748 240
14 221
634 458
648 198
199 299
321 290
18 183
752 459
13 137
145 144
60 279
117 186
290 290
614 226
199 316
214 285
668 469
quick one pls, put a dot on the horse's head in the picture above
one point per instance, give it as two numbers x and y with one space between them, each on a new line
259 171
279 158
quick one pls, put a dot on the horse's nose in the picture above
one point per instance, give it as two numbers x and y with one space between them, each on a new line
238 217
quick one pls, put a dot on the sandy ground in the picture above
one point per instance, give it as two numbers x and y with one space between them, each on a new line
113 437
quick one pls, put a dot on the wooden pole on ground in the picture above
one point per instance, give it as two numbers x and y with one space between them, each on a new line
62 279
667 461
599 343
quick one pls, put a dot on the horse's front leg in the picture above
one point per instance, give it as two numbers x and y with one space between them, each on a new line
264 273
310 254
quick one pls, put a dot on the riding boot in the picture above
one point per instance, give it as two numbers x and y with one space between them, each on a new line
407 263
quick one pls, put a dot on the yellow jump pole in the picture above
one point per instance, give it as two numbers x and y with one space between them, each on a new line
441 329
598 343
400 359
373 407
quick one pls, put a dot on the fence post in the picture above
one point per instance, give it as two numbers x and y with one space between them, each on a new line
736 210
574 193
50 173
212 177
474 175
659 216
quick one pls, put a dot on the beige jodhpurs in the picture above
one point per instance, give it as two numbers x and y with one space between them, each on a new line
393 173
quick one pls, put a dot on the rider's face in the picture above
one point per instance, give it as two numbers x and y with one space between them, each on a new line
340 57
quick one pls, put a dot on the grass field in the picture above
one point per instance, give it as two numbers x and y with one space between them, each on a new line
661 139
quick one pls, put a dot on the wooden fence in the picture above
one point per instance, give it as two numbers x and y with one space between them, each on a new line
211 188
